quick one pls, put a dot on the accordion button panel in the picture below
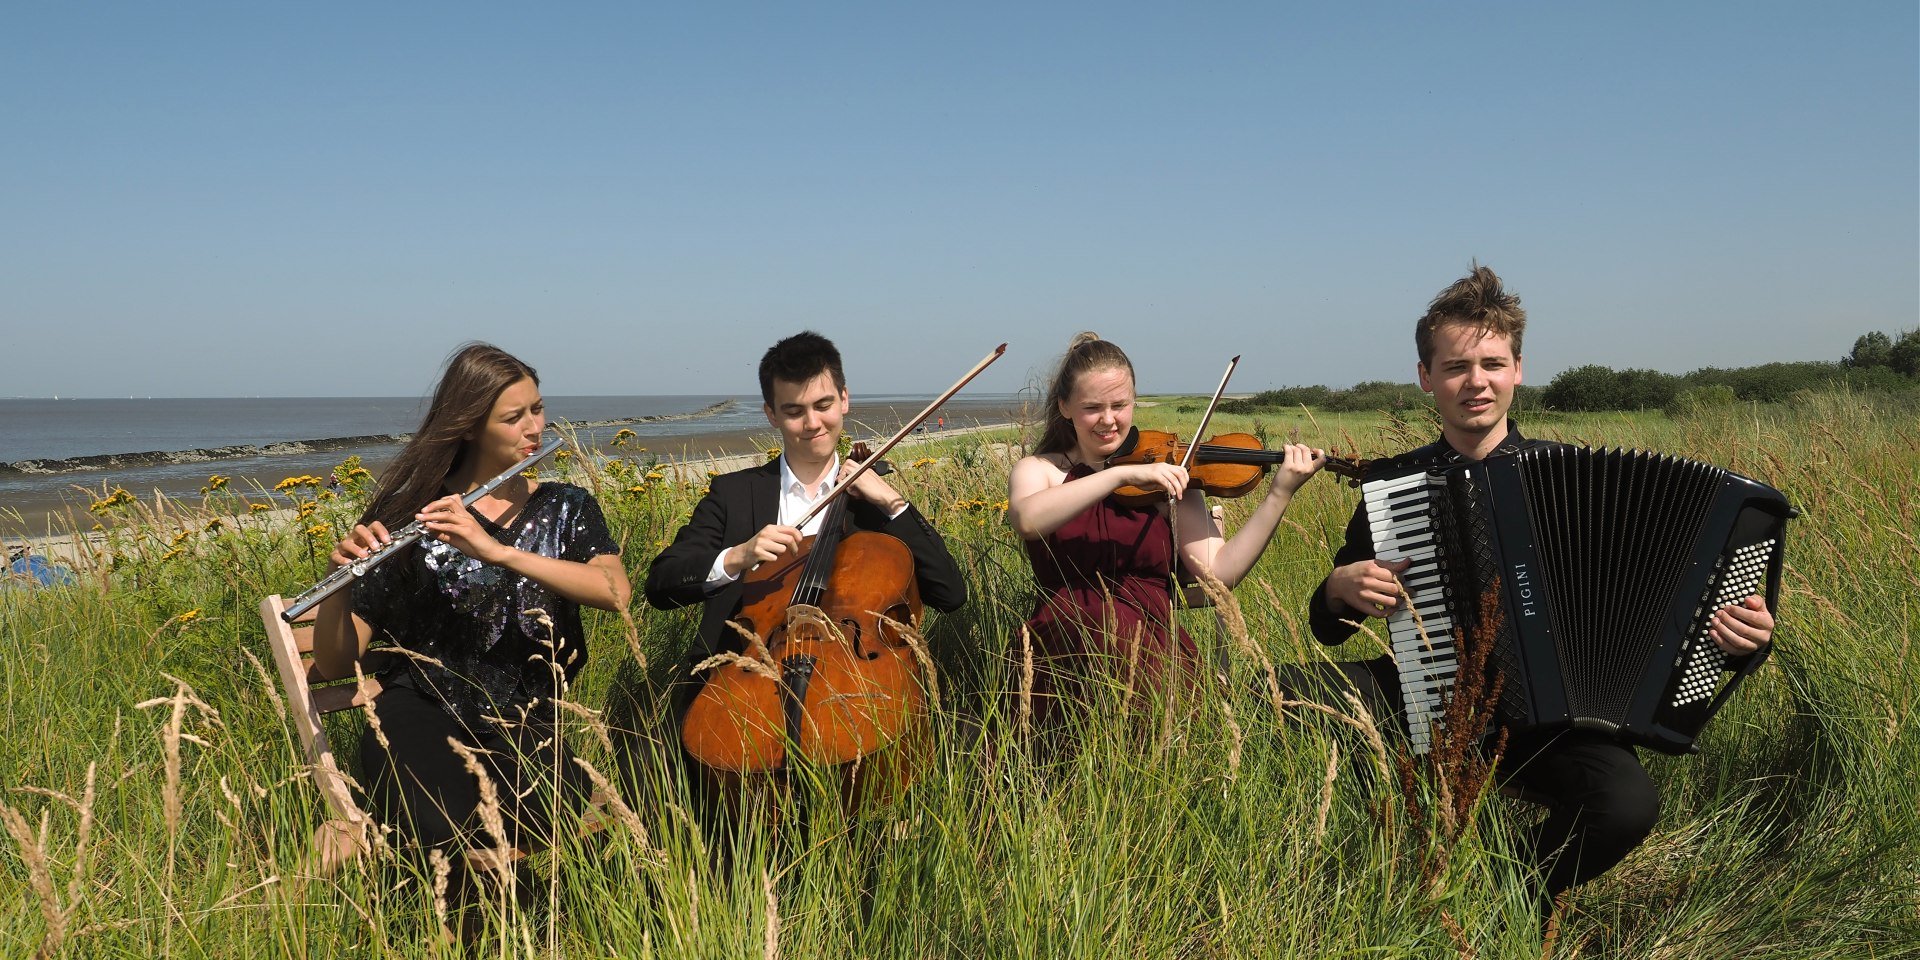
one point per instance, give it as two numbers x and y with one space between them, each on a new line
1740 576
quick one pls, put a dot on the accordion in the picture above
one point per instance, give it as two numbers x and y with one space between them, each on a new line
1607 565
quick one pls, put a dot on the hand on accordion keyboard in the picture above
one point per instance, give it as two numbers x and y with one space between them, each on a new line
1369 588
1743 627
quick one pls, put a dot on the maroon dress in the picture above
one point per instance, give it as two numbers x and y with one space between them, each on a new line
1104 609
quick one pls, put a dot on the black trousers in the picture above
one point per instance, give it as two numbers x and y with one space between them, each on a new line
419 786
1600 801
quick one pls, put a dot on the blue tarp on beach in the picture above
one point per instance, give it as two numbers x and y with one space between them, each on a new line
38 572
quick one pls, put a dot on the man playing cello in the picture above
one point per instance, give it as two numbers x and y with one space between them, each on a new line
748 516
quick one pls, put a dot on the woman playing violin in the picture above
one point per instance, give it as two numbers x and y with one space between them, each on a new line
1105 568
488 601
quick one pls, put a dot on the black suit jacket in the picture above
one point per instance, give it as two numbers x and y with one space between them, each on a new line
737 506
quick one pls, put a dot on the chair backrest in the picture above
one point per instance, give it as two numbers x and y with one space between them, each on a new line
311 694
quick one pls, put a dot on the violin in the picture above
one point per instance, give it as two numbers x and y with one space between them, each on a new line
827 673
1224 466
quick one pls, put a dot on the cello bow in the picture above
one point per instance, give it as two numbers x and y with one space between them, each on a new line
846 482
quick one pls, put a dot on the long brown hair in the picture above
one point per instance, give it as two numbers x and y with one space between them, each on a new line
1085 354
475 376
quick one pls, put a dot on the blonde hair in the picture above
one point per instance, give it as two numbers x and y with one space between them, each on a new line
1085 354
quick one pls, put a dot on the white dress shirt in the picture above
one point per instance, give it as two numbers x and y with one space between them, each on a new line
795 501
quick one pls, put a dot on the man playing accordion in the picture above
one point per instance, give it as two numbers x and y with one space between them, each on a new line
1601 802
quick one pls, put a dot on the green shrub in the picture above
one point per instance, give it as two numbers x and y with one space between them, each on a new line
1691 403
1597 387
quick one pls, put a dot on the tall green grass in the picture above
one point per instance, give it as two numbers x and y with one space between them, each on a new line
154 803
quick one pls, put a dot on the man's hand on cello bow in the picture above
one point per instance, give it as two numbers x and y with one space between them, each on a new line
772 542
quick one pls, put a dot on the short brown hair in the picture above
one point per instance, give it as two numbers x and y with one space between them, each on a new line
1085 354
1476 301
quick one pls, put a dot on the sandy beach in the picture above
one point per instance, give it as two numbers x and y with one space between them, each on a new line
43 497
716 453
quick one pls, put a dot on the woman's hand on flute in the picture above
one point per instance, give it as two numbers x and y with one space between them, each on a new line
359 543
449 521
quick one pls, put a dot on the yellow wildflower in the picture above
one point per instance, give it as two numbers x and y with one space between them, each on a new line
259 507
116 498
654 475
318 530
190 616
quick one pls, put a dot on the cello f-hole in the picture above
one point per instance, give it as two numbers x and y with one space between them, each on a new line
851 628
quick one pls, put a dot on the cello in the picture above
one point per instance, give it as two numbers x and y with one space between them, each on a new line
830 675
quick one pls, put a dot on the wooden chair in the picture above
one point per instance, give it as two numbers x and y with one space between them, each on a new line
311 695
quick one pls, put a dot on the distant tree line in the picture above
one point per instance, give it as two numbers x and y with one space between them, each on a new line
1877 363
1371 395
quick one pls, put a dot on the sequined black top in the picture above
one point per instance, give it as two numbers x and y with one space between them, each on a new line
492 631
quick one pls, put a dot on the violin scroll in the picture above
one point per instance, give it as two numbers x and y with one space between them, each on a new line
1351 469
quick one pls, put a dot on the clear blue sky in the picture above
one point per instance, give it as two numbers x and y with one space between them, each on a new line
323 199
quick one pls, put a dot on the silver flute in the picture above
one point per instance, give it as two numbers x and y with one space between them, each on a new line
399 539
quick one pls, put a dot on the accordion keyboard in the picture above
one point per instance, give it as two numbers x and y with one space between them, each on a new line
1400 514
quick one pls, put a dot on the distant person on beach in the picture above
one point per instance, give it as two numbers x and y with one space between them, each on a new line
748 516
1104 567
489 602
1601 803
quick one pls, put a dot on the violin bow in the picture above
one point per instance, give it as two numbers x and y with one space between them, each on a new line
905 429
1201 430
1173 515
